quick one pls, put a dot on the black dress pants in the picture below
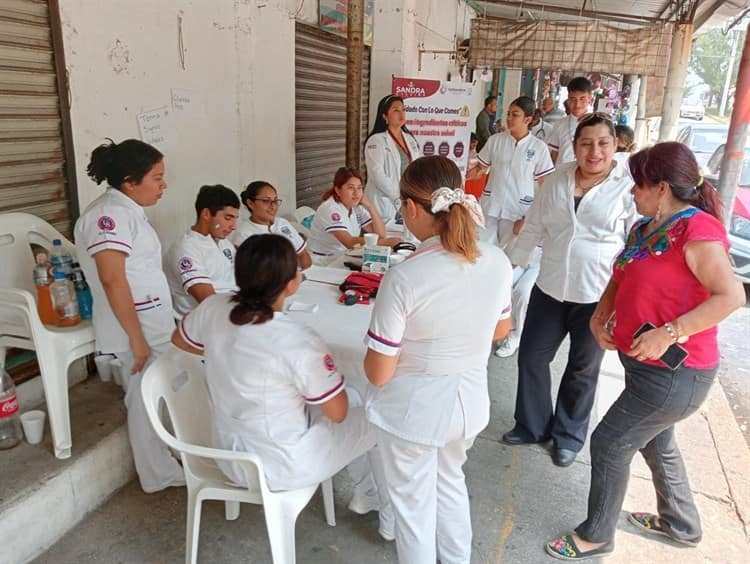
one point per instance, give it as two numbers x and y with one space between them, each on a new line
548 321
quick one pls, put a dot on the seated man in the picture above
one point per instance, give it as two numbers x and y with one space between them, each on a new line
201 263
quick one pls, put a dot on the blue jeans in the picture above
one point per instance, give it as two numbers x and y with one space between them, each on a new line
643 418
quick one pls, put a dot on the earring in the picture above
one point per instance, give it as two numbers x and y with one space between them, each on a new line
657 216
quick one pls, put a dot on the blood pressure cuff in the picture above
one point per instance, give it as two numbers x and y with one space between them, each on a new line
364 283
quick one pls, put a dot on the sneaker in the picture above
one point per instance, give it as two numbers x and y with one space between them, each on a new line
387 533
362 503
507 348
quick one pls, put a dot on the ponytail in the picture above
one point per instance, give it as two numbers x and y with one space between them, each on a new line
127 161
263 267
457 228
253 312
707 199
458 232
675 164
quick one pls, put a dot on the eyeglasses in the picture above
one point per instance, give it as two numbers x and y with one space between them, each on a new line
269 201
594 115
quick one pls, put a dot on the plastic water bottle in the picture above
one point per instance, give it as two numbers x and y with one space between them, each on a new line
60 258
42 281
83 292
64 300
10 424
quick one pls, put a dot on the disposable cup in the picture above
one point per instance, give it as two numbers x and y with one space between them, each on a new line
104 366
116 365
371 239
33 426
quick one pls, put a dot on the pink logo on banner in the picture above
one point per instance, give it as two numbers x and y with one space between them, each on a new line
458 149
429 149
106 223
444 149
414 87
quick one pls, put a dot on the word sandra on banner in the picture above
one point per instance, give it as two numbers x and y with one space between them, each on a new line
437 113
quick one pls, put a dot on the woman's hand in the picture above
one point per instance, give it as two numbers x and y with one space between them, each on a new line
141 351
602 335
365 202
651 345
518 225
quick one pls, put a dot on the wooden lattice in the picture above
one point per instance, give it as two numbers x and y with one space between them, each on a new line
593 46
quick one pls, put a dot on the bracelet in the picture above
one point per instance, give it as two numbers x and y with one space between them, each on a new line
671 331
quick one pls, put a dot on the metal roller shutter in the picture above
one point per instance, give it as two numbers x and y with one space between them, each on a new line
320 110
32 175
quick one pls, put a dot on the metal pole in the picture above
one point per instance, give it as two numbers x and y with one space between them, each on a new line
731 166
675 84
641 126
725 93
354 48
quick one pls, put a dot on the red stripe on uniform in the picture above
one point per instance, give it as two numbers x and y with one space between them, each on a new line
106 242
330 392
196 344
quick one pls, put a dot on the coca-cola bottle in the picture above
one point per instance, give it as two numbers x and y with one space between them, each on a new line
10 424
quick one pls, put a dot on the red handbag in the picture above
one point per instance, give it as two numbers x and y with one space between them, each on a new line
364 284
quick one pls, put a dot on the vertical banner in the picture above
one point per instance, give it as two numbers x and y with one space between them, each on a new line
438 114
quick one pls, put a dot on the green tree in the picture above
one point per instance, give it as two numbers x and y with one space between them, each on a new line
709 59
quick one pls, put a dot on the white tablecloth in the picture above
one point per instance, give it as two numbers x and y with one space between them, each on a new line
342 327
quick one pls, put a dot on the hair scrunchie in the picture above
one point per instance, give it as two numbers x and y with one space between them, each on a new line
443 198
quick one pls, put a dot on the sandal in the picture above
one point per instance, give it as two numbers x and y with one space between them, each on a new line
647 522
565 548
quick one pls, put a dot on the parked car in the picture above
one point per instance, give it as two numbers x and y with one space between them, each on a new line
739 227
692 109
703 138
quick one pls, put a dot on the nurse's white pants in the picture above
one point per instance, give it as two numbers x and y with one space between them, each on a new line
154 463
428 494
497 231
523 282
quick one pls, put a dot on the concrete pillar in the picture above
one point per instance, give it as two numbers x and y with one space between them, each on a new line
731 166
675 84
354 48
641 126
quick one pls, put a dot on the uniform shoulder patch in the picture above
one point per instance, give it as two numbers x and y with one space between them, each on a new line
228 253
328 362
186 263
106 223
336 216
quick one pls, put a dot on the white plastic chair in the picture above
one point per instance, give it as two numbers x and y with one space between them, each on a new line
177 378
300 214
20 326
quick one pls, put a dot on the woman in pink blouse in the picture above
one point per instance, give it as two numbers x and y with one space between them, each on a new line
674 274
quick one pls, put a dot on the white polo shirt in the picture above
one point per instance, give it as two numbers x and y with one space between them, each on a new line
514 168
577 247
560 139
113 221
261 379
442 334
198 259
333 216
247 228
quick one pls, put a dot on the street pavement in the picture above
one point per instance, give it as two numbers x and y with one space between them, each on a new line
519 500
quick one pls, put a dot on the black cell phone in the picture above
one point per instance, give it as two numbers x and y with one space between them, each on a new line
674 356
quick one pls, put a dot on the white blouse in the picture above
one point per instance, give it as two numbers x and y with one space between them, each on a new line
577 247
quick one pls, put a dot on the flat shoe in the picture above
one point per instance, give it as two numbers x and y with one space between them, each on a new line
647 522
514 438
564 457
565 548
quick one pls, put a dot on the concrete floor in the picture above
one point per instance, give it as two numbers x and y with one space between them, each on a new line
519 500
